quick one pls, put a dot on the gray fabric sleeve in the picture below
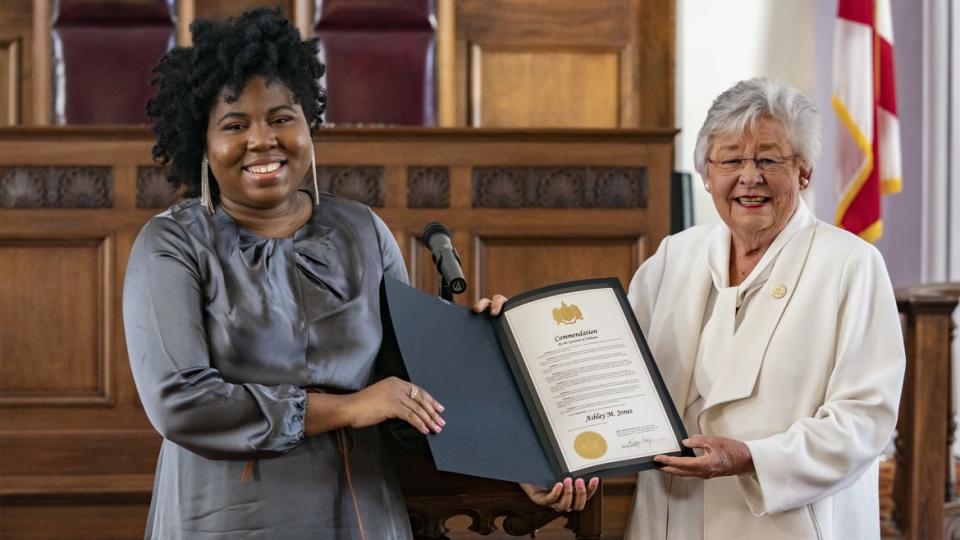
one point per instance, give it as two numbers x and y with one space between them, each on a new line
185 398
390 252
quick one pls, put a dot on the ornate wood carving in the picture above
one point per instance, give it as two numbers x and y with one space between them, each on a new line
153 189
428 187
56 187
519 519
560 187
361 184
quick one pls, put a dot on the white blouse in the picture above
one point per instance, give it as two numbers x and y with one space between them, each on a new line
726 308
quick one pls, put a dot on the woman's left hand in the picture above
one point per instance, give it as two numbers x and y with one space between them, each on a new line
721 457
494 304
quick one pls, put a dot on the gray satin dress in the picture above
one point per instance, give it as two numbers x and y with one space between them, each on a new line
225 330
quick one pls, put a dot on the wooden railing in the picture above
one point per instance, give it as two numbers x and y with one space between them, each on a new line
925 505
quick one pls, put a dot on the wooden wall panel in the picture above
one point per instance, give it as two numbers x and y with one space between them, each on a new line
10 73
231 8
532 88
16 62
510 265
558 63
58 521
53 343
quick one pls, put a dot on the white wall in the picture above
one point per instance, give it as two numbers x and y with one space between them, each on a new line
720 43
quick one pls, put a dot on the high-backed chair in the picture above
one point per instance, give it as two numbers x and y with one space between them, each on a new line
103 54
380 60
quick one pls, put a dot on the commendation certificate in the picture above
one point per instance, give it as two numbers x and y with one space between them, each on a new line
584 369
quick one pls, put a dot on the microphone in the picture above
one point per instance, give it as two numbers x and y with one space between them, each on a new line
436 236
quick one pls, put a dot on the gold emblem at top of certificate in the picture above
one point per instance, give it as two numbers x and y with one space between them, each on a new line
567 313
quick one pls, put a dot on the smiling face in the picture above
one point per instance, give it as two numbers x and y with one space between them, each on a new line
755 205
259 146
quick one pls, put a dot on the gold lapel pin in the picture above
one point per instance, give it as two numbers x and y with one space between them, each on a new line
779 291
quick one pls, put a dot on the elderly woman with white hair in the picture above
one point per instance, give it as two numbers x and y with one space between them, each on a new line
778 337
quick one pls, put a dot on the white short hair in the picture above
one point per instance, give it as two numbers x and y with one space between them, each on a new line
739 108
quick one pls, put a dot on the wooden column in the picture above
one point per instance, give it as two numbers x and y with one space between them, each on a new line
922 453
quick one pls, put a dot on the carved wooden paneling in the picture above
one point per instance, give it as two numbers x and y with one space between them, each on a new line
428 187
56 187
55 300
566 187
153 189
518 87
512 265
361 184
563 63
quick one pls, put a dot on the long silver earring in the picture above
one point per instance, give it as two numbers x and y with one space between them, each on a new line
313 171
206 201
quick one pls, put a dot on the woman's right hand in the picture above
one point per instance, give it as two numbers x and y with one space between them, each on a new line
495 304
569 495
395 398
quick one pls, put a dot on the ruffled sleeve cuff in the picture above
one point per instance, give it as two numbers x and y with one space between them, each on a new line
286 431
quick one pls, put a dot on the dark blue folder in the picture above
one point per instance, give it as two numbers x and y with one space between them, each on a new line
453 353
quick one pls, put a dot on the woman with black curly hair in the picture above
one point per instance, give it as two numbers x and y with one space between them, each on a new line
252 312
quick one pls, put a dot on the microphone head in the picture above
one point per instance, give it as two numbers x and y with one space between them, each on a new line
433 228
458 285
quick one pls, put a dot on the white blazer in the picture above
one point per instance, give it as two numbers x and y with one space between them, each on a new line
811 383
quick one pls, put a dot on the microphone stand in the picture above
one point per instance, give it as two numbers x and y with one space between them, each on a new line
445 292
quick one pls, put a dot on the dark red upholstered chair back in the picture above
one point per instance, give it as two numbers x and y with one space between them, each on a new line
380 60
103 55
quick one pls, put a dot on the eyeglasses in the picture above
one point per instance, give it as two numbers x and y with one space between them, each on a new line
767 165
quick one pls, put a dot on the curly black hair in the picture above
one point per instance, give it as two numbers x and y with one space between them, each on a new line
226 54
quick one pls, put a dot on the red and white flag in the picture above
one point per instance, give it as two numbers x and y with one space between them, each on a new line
864 98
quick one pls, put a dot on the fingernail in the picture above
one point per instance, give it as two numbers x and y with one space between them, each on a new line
441 422
439 407
580 483
567 482
685 442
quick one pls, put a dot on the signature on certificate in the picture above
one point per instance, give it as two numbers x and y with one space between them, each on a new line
641 441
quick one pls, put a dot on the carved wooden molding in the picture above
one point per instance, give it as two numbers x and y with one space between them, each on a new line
428 187
560 187
428 516
56 187
361 184
153 189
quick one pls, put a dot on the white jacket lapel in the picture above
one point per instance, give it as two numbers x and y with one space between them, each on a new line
675 332
746 351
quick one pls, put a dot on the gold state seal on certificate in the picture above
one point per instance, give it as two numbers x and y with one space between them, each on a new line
590 445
